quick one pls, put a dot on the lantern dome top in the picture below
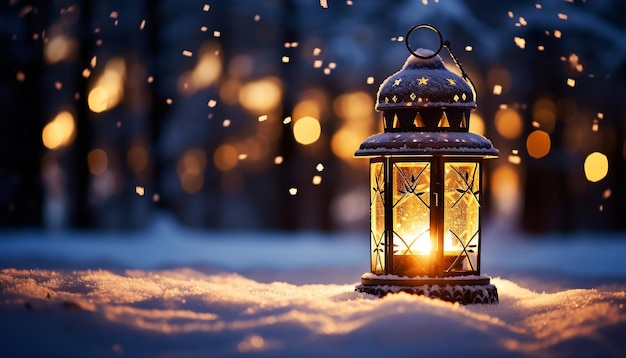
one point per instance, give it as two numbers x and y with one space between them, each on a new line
423 82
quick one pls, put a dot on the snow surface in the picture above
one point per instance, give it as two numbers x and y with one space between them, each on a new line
174 292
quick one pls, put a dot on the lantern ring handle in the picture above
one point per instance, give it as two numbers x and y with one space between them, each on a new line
442 44
424 26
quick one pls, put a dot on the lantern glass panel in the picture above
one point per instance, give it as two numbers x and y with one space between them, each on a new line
461 216
377 220
412 240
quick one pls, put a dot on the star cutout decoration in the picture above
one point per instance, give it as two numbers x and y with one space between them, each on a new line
451 82
397 82
422 81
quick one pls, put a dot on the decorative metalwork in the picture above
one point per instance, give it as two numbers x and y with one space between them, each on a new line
463 294
377 229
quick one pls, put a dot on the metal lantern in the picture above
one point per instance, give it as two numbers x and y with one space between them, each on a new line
426 173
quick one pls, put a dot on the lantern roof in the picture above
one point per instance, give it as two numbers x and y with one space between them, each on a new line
427 143
424 81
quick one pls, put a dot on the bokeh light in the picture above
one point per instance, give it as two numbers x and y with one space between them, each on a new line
499 77
544 114
261 96
207 70
307 108
596 167
509 123
505 188
225 157
353 106
538 144
98 161
190 170
59 48
307 130
108 90
59 132
355 111
477 124
345 142
137 159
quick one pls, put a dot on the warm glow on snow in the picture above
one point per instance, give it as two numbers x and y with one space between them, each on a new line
278 317
596 167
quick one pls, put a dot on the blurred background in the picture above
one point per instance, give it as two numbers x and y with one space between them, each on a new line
245 115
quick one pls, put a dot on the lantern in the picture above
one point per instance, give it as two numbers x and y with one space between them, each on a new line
426 184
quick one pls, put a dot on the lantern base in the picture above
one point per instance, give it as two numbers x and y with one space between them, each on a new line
462 289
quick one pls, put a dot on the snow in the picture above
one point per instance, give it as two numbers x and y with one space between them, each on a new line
173 291
403 143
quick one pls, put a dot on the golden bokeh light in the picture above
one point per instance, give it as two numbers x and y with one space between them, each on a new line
261 96
59 48
225 157
229 92
98 161
307 130
353 106
207 70
59 132
505 187
345 141
499 77
508 123
190 169
108 90
538 144
477 124
596 167
240 66
544 113
306 108
191 182
98 99
137 159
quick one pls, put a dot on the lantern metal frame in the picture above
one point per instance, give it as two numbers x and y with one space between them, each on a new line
414 134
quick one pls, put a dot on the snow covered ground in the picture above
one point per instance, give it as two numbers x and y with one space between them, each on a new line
169 291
